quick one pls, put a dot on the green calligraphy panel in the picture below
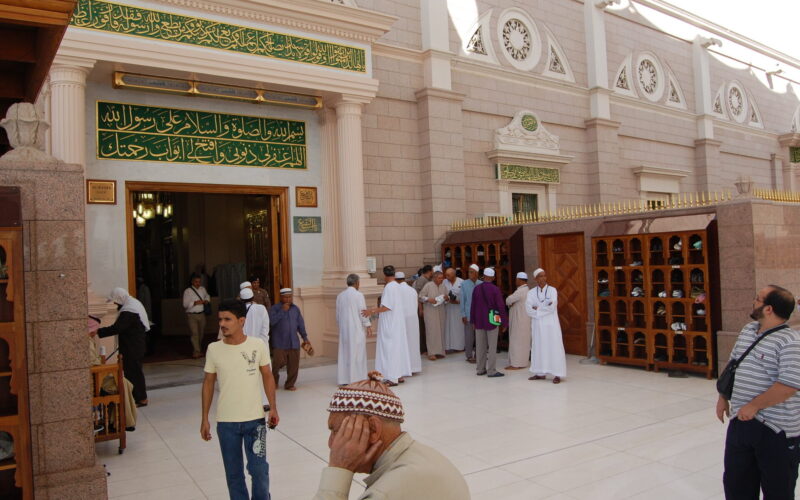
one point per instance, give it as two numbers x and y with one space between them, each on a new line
528 174
148 133
311 224
136 21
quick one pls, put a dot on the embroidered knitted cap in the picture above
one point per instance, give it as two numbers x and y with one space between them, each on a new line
370 397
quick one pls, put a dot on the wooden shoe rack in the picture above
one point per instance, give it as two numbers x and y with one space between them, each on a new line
638 330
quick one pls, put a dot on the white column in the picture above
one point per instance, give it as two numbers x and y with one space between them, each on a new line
352 219
68 108
702 86
330 197
599 94
436 44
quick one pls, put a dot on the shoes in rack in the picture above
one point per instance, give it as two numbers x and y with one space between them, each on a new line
660 357
700 299
661 311
677 294
678 246
617 250
662 294
696 276
604 293
698 245
603 281
639 340
678 326
696 292
622 338
675 261
656 246
701 312
636 263
637 292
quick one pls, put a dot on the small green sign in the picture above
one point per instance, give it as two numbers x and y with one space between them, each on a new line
525 173
794 155
530 123
307 224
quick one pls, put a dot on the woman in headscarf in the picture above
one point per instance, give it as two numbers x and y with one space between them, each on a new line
131 326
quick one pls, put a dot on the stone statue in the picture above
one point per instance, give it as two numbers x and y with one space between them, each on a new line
25 128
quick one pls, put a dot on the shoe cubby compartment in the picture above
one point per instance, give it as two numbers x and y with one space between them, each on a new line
604 313
480 255
656 252
659 316
640 350
620 283
638 314
618 253
635 278
605 343
697 249
657 283
635 253
601 254
620 313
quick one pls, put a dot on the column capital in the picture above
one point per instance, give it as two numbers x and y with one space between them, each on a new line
346 99
67 69
73 62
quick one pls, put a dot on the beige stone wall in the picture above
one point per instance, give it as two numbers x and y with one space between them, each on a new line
406 31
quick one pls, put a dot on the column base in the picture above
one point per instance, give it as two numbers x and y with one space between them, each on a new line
79 484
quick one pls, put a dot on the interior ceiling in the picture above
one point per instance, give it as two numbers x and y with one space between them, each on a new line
31 31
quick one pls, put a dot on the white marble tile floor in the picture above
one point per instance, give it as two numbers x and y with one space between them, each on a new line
606 432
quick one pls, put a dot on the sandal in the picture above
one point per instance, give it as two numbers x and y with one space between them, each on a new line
557 380
537 377
432 358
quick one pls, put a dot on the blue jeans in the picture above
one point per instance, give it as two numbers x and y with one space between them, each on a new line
253 435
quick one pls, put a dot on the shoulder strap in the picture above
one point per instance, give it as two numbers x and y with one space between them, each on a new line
196 293
759 339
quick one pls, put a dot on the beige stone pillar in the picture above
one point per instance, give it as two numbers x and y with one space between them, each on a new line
350 186
68 109
707 165
602 138
332 271
441 165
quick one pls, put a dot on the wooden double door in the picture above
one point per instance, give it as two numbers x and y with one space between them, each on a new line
563 257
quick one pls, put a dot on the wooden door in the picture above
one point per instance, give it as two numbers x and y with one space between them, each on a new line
562 256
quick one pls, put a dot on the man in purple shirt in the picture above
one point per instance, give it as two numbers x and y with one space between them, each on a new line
286 323
487 297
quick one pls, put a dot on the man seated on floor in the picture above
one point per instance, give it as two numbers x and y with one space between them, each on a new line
366 437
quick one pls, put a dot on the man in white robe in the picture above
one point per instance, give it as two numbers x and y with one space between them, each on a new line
412 321
352 340
548 346
256 323
519 331
454 327
391 355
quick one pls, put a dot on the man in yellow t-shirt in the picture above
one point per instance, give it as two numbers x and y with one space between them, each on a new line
241 364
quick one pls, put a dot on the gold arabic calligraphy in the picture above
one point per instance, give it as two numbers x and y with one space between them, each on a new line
147 133
135 21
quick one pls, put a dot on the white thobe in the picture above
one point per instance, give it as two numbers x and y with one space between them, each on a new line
519 328
352 336
547 343
391 355
256 324
412 326
453 326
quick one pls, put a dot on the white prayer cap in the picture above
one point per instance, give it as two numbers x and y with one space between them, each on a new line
245 284
475 268
246 294
286 291
400 275
488 272
537 272
522 275
437 269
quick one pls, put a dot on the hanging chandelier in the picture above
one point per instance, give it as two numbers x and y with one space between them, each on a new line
151 205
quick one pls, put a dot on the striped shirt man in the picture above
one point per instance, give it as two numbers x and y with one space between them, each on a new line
775 359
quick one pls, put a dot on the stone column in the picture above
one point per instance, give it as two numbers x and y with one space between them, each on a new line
604 166
68 109
597 58
350 188
706 149
332 272
706 157
441 157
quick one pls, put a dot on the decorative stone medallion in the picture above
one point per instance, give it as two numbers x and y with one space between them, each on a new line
530 123
517 39
648 76
735 101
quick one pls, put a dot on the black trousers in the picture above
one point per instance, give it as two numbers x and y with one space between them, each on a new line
758 458
132 368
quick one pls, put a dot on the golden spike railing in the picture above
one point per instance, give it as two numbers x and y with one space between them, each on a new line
630 206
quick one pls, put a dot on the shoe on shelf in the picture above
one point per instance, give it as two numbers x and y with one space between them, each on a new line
696 276
678 246
696 292
637 292
636 263
617 250
622 338
604 293
700 299
677 294
678 327
675 261
639 340
698 245
603 281
661 311
662 294
701 312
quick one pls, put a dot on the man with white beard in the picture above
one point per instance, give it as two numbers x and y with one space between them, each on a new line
391 355
352 339
412 322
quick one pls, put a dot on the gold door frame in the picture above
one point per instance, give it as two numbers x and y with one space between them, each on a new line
282 255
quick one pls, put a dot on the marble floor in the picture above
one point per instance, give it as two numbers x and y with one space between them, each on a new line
605 433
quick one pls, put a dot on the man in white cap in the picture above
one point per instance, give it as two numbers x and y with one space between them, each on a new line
467 287
287 323
547 346
353 332
391 353
256 322
412 323
519 329
488 314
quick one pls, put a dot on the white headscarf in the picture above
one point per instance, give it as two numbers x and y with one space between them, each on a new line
129 304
